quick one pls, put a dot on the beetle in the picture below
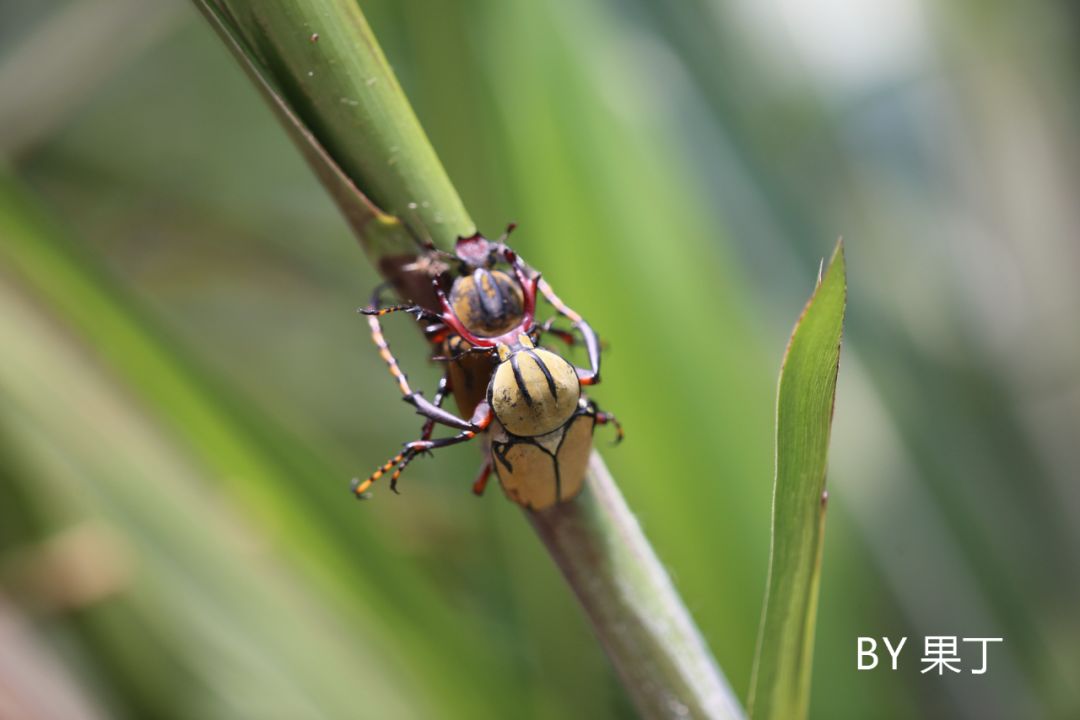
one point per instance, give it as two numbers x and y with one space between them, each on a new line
525 400
488 300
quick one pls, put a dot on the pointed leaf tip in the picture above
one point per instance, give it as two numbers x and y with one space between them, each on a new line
806 393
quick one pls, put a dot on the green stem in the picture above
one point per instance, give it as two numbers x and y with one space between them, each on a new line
638 616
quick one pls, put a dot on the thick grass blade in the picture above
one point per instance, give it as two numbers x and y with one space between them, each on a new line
780 687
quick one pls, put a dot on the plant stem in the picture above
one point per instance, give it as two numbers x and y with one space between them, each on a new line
367 147
633 606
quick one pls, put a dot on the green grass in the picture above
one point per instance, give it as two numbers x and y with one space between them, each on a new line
806 397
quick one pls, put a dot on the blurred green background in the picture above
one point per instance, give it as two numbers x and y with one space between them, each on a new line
186 390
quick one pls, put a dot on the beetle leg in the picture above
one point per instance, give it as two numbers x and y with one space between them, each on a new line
423 406
480 421
437 401
376 308
432 412
482 477
384 350
374 312
592 342
421 313
456 353
376 295
565 335
604 418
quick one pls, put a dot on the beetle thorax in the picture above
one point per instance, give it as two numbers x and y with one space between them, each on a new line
488 302
533 391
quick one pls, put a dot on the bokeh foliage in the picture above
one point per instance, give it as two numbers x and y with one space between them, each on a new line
183 376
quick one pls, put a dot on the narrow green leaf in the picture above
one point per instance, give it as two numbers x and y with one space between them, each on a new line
780 687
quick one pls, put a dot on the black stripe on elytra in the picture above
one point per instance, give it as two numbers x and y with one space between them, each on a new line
547 373
520 380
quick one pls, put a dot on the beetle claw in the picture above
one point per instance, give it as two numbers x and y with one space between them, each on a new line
353 485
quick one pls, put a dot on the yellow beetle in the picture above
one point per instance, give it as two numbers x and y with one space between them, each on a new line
537 422
543 433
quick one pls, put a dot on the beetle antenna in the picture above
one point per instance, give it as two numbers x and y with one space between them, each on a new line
499 248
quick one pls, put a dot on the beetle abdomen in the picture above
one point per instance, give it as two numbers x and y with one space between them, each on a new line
539 472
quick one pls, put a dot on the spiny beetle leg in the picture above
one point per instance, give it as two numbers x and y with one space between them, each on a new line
388 356
418 447
420 313
592 342
437 401
605 418
565 335
481 420
360 488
